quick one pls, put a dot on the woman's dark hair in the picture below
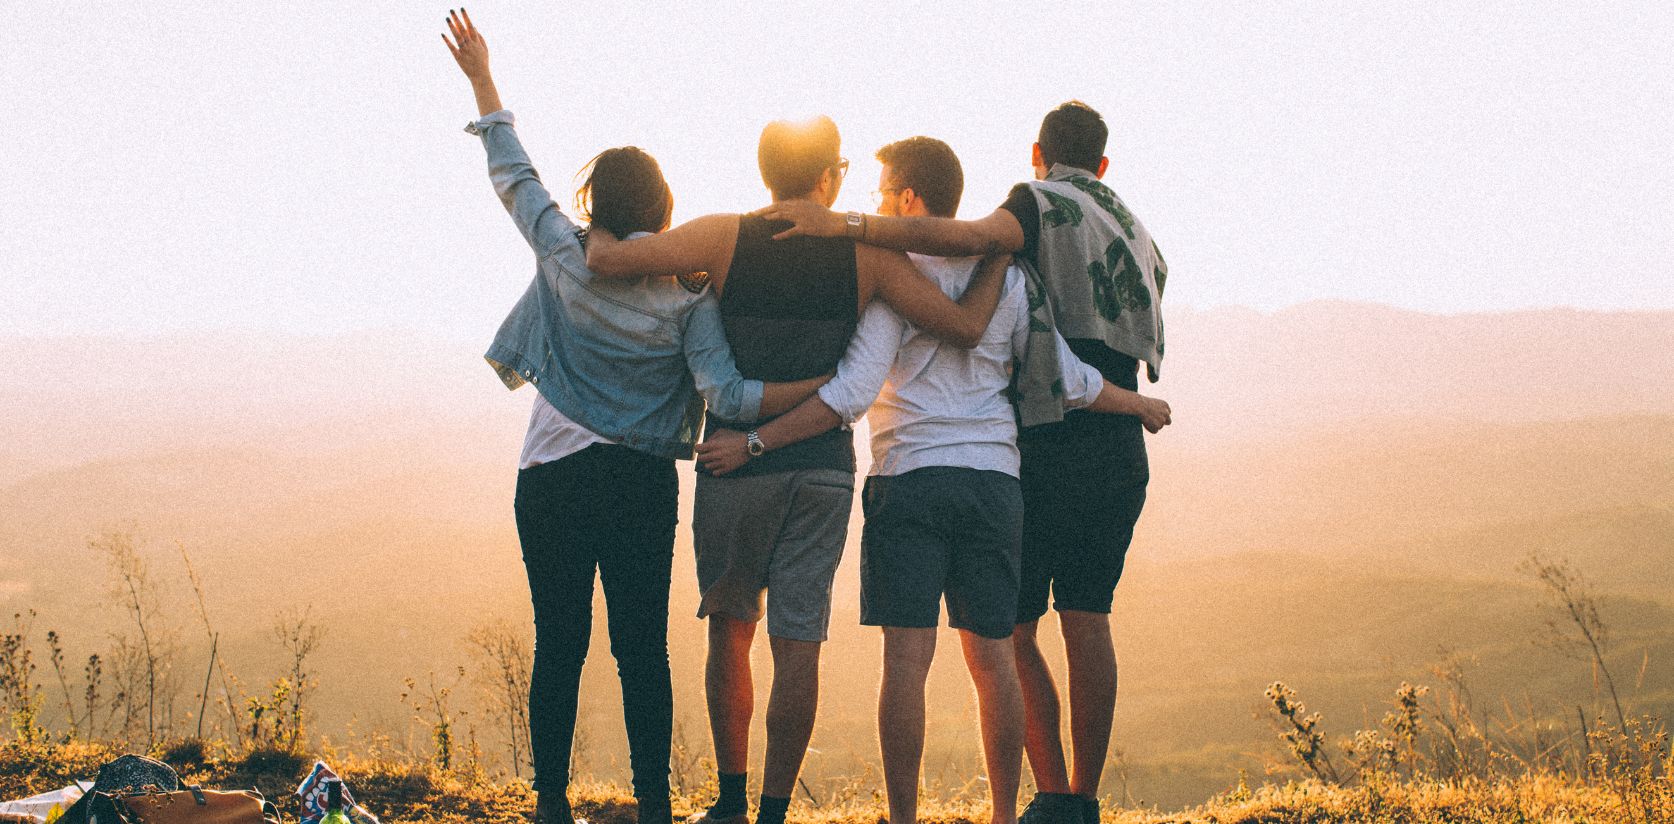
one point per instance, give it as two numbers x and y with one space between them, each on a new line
624 193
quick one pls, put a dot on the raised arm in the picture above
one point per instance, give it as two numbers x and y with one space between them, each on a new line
893 277
520 189
699 245
943 236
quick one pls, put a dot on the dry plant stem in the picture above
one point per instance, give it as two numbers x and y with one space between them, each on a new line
56 651
203 706
1576 601
150 669
505 662
214 656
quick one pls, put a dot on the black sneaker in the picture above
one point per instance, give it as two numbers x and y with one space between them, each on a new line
1053 808
554 808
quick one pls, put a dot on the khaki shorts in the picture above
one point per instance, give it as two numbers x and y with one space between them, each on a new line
780 535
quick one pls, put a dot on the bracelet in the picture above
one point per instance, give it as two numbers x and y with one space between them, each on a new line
854 225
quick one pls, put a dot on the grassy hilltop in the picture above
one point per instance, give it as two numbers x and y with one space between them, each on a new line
406 791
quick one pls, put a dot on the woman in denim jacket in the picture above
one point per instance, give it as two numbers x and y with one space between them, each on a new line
622 367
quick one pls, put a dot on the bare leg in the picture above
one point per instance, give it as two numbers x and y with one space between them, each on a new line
1092 694
790 713
907 655
1042 739
730 690
993 666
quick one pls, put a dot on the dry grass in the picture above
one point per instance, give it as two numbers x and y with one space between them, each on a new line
405 790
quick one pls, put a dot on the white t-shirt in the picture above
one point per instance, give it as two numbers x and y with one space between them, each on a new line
942 405
552 435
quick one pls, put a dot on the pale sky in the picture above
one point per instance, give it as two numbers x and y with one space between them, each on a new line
300 168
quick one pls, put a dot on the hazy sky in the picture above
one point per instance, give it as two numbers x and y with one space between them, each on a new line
300 168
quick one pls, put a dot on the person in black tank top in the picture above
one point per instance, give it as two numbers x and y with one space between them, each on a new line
789 308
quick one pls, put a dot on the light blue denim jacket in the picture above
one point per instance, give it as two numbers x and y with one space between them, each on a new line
632 359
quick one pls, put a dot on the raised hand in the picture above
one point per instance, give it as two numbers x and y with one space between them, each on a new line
808 218
469 50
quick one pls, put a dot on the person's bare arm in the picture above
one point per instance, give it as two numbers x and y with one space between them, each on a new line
779 398
860 376
699 245
943 236
1085 388
726 450
893 277
1153 413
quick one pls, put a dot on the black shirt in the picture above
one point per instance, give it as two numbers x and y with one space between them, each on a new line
789 309
1021 203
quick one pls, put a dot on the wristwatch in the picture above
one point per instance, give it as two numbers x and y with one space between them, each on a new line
752 443
856 225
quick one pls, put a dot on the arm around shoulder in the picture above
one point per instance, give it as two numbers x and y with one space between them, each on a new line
919 301
943 236
698 245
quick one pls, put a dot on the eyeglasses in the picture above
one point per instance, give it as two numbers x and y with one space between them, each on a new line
842 167
878 195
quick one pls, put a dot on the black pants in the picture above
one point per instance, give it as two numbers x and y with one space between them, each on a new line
612 509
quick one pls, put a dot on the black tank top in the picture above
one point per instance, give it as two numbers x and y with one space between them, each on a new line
789 308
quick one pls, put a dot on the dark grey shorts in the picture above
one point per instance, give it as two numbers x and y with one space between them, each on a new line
781 534
941 530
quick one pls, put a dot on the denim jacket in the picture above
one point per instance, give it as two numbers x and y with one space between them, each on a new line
632 359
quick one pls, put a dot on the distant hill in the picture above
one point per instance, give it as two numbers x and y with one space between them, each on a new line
1233 375
1270 375
1378 484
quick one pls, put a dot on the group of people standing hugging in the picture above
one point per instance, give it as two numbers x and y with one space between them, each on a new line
997 359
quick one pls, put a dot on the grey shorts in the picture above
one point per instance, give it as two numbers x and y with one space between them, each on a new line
942 530
780 535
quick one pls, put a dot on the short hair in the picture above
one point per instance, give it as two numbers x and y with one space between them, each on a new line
625 192
792 156
928 167
1073 134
